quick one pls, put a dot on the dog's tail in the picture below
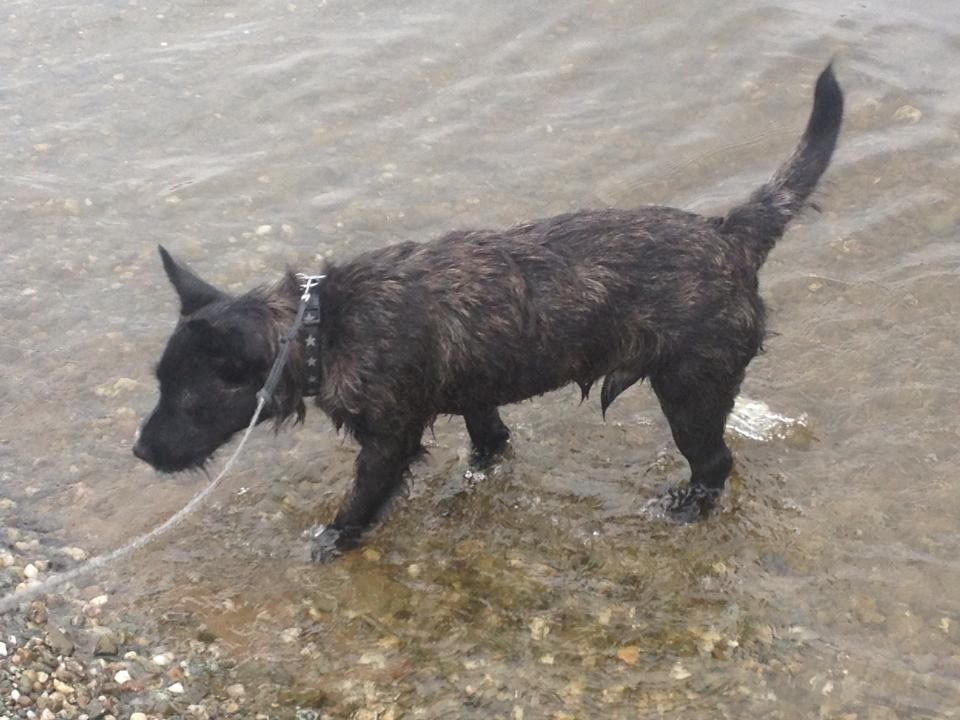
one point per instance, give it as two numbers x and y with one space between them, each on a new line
761 220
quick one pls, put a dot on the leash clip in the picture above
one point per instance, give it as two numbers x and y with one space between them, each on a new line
308 283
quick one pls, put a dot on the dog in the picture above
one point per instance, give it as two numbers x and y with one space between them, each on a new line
477 319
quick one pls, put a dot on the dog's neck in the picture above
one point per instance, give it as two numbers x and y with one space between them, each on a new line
301 376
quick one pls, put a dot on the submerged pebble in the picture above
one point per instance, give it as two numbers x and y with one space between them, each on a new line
75 553
539 628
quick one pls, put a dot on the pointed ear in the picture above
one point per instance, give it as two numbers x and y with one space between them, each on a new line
194 293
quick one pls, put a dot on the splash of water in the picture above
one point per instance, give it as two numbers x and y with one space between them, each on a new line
755 420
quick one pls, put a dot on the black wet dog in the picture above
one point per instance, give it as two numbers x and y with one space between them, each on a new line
479 319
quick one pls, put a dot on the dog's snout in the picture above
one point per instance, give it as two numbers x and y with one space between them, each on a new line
143 451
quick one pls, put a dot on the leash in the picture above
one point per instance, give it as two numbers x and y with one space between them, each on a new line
264 396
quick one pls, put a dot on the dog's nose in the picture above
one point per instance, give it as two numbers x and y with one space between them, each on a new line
142 451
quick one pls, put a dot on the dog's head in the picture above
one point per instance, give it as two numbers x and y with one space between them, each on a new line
209 374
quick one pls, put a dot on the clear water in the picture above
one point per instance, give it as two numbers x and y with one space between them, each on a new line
247 136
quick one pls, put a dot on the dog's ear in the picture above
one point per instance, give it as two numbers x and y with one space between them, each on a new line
194 293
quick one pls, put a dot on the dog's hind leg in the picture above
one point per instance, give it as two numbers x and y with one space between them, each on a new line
697 401
488 435
381 466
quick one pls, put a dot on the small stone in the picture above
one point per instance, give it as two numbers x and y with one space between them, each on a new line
539 628
162 659
122 677
3 649
413 570
176 689
63 687
944 625
629 654
708 640
120 386
372 555
100 600
908 113
763 634
58 642
375 659
47 714
75 553
679 672
138 716
6 560
236 691
30 571
107 643
264 230
206 635
231 707
290 634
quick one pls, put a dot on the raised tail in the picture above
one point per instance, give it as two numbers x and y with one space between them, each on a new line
761 220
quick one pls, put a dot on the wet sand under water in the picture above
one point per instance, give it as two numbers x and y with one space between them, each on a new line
248 136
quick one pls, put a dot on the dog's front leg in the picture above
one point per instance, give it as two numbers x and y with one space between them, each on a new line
381 465
488 435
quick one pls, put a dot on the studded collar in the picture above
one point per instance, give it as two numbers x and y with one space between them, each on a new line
310 338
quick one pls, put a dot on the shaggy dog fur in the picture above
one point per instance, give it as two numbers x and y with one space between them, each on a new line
481 318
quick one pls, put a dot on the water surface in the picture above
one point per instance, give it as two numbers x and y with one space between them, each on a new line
248 136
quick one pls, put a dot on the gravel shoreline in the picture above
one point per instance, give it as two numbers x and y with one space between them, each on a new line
75 656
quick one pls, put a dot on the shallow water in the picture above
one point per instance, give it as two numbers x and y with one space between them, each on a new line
247 136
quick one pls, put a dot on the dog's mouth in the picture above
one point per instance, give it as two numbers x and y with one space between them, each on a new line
169 463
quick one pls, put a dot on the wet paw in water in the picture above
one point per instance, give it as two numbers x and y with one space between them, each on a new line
325 545
483 461
684 504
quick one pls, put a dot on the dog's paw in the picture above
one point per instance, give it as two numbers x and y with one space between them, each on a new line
481 460
325 544
687 504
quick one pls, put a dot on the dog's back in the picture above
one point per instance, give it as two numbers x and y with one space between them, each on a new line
504 316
